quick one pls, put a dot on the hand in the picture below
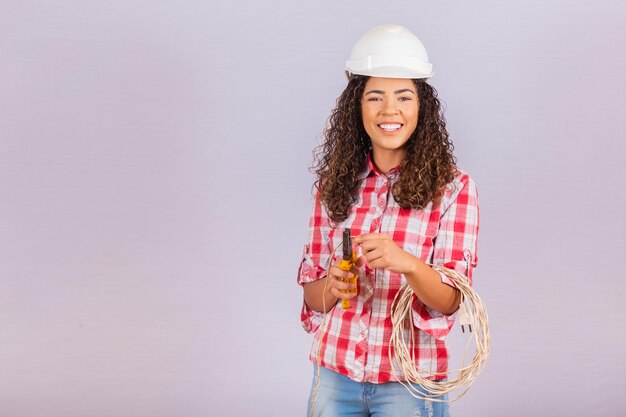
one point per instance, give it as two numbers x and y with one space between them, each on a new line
381 251
335 284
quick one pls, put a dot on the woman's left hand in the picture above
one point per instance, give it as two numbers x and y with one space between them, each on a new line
381 251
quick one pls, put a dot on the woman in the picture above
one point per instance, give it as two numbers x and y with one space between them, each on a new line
386 171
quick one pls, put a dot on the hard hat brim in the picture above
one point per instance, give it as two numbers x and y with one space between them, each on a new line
390 72
379 66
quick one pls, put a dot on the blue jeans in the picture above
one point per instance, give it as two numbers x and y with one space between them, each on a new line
339 396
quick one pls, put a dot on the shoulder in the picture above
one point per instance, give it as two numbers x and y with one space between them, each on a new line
462 189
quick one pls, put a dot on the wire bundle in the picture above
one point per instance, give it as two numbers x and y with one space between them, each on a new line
472 312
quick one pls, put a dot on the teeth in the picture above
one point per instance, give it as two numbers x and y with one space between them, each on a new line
390 126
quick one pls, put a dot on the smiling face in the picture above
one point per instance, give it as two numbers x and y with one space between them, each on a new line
390 108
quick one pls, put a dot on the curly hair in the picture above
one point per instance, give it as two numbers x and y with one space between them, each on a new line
427 168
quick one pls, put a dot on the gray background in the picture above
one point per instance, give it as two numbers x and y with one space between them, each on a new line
155 198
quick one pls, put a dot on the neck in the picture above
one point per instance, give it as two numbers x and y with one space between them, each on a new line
385 160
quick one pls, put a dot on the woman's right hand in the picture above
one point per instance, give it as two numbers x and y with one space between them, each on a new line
336 286
323 294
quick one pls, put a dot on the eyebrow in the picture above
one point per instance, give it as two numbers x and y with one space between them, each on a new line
403 90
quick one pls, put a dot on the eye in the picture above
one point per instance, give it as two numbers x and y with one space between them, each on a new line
405 98
374 99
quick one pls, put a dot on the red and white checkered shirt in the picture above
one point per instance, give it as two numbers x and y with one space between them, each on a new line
356 341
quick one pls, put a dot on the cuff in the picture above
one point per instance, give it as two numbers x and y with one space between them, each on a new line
446 280
309 271
311 320
431 321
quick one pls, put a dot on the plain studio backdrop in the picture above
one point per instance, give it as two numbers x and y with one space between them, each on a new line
155 198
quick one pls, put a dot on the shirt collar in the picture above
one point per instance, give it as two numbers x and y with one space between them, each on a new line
370 169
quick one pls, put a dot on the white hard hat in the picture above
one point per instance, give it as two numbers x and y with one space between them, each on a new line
389 51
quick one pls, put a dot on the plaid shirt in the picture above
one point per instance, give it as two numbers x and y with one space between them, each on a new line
356 341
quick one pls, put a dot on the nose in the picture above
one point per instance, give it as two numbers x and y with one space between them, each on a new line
390 107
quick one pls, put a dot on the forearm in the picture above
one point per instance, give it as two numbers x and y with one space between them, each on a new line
427 286
314 296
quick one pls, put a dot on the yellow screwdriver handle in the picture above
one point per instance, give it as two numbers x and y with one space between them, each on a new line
347 266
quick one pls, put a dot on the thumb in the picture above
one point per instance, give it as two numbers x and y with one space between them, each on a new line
360 261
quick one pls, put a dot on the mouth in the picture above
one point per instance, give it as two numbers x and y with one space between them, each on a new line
390 127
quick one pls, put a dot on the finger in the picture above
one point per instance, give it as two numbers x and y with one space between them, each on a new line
337 260
375 264
343 295
360 261
368 237
370 245
355 270
341 285
340 273
373 256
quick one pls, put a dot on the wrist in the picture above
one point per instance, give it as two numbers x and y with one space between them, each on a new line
414 266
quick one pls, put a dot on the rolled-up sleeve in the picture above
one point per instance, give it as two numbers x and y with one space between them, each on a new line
455 247
315 257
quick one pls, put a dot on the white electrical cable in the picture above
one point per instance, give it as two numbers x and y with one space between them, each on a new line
402 319
472 313
322 331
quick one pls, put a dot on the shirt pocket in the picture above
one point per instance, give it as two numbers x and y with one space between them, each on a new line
420 230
